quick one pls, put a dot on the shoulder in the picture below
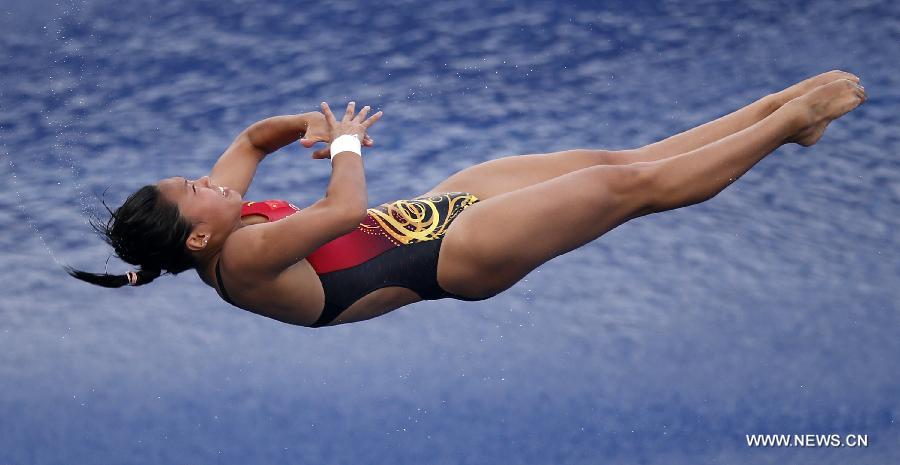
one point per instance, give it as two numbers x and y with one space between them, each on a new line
240 254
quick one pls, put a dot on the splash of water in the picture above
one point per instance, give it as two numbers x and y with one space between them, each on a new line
60 125
21 206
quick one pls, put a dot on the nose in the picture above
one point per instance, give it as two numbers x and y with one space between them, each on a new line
205 181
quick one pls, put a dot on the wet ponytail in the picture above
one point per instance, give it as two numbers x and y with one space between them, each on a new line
148 231
115 280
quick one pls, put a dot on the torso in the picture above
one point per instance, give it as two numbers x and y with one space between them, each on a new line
296 296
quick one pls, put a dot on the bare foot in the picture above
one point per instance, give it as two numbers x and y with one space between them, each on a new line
822 105
810 84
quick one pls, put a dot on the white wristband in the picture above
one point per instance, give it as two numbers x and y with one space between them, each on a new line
345 143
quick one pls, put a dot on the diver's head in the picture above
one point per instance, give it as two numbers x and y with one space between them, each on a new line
213 210
167 227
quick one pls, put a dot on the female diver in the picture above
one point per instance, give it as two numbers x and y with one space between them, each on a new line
472 236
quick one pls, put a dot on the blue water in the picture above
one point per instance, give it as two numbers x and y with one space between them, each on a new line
772 308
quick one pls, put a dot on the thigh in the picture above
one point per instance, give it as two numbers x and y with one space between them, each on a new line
496 242
502 175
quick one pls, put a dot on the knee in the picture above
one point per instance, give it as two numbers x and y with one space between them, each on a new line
637 184
594 156
650 182
631 179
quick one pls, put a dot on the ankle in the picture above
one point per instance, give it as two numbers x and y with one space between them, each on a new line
772 102
795 116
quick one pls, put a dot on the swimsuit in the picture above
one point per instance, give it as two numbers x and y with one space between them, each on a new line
397 244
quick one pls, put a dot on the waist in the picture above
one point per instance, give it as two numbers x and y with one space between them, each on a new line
390 225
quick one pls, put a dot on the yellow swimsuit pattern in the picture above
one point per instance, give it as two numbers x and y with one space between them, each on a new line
419 219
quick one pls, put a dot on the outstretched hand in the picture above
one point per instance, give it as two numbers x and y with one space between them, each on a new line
317 131
323 127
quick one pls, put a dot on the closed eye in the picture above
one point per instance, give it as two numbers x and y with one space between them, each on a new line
186 183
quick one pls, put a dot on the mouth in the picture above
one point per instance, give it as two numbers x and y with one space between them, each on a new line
223 190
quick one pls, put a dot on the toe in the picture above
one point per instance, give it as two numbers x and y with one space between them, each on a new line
850 76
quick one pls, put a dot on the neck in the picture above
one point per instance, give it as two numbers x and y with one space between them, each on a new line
206 258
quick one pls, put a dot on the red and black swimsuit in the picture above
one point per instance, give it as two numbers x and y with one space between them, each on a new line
397 244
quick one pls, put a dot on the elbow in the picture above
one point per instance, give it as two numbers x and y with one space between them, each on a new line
249 135
354 217
359 217
251 138
348 214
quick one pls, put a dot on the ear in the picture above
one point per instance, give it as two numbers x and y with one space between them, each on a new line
198 239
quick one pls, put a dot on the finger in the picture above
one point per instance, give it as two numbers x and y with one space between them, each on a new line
368 141
328 116
323 152
348 115
372 119
362 114
311 138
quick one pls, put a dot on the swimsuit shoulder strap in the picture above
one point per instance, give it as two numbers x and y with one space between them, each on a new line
221 285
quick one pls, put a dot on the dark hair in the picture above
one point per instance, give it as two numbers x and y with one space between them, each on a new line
147 230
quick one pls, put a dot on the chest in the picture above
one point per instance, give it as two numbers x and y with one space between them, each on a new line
296 295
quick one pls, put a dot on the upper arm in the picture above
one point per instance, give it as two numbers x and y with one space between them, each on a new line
236 167
273 247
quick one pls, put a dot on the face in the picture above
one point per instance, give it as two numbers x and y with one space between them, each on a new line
214 210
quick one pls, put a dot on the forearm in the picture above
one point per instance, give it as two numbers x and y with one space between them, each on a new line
347 187
276 132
